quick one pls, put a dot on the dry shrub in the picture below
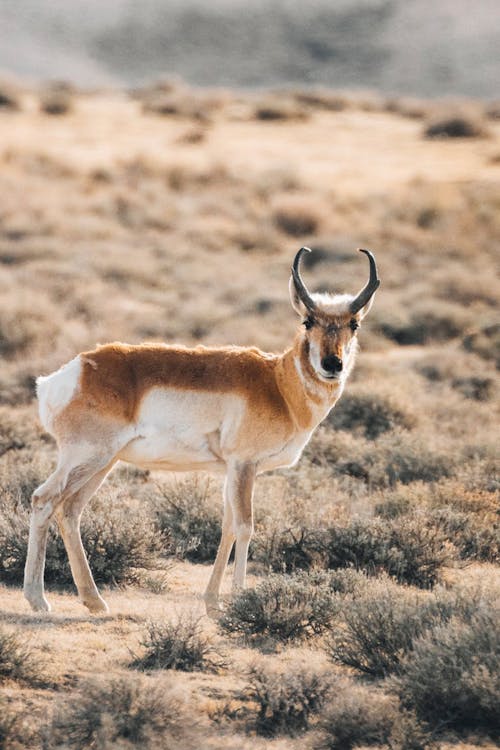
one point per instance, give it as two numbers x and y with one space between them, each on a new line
14 731
118 544
17 660
380 625
192 136
371 414
412 550
17 387
57 99
286 550
297 215
189 514
475 388
181 102
357 716
476 537
462 497
125 712
485 342
456 124
476 385
9 96
318 98
398 503
465 517
408 106
22 471
451 677
181 177
396 457
285 700
437 322
361 716
178 645
283 607
492 110
281 110
13 436
23 324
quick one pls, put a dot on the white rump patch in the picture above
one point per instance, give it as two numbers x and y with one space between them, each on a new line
56 390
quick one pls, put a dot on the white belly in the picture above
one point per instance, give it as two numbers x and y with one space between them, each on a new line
181 429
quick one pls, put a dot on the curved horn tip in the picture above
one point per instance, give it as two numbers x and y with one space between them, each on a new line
366 252
298 256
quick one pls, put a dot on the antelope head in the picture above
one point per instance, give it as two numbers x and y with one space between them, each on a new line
331 322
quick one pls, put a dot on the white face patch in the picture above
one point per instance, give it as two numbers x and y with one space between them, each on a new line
308 384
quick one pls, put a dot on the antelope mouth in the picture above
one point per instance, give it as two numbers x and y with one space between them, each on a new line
329 376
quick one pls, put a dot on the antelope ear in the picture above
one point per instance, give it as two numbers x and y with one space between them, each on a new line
297 303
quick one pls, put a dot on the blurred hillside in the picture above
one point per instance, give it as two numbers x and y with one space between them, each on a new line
420 47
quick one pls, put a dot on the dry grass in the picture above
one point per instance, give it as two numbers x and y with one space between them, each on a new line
173 215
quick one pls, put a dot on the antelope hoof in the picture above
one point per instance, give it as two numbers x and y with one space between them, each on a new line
96 606
38 603
213 608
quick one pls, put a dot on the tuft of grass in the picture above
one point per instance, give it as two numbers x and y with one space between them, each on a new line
283 607
127 711
285 700
177 645
17 660
188 513
451 678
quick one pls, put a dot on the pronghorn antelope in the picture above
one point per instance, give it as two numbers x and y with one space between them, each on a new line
239 410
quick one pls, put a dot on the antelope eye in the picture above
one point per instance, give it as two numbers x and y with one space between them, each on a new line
354 325
308 323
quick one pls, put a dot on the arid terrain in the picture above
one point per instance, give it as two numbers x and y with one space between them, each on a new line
171 214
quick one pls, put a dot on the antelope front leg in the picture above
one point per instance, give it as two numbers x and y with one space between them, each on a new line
237 525
225 546
241 484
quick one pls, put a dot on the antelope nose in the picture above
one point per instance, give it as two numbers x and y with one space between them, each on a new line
331 363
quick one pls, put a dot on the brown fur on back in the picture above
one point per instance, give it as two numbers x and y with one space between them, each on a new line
116 377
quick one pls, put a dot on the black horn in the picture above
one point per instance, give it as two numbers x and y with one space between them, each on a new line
369 290
300 287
